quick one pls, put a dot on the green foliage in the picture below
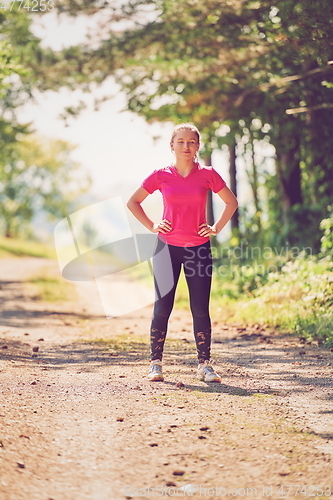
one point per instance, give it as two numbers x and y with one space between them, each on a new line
51 288
326 226
316 327
8 65
262 69
37 174
285 288
240 63
20 53
13 247
292 293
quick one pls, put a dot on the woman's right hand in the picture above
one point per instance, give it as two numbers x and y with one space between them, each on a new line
162 227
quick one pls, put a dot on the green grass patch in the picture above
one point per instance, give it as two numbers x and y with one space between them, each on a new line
121 343
293 296
297 299
12 247
141 273
50 288
260 396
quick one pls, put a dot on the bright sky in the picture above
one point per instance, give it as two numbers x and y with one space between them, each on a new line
113 146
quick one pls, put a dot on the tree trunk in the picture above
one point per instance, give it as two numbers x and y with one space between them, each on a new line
209 205
315 128
253 179
233 182
8 232
289 172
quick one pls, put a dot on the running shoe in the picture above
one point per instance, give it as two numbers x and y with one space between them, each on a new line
207 374
155 372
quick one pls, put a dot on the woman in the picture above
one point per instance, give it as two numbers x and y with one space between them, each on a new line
185 233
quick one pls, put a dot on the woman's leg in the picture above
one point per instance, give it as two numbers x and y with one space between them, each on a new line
167 265
198 273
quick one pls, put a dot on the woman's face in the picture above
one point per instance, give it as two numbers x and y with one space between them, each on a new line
185 144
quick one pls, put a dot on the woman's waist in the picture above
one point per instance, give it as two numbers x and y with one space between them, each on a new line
183 239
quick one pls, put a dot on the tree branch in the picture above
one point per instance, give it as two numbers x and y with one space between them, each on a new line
305 109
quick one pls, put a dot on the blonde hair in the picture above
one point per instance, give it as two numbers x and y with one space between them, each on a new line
185 126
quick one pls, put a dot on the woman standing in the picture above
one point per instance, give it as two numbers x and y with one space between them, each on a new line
185 233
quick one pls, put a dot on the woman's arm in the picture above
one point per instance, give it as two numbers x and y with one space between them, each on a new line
134 205
231 205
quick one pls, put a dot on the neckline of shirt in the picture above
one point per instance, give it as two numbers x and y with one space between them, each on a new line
195 167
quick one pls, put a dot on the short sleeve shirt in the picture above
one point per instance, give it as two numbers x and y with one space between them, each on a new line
184 201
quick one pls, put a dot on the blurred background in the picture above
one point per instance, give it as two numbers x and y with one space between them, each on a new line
91 90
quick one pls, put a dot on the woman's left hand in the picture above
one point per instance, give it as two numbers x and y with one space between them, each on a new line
206 230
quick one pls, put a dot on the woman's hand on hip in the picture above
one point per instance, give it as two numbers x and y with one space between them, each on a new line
162 227
206 230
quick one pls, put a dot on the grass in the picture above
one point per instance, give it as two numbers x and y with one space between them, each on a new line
141 273
121 342
48 287
13 247
51 288
296 297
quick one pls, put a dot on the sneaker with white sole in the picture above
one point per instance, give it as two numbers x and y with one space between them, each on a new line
155 372
207 374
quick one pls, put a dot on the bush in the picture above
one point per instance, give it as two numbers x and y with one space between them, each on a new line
326 226
295 295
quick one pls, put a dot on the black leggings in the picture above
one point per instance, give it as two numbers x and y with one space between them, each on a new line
197 262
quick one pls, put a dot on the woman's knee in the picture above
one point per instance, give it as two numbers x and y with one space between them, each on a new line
162 311
201 312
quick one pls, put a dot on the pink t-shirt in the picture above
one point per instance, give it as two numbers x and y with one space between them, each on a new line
184 200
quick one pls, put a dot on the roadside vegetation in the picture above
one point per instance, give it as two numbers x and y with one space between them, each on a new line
50 287
297 298
287 289
14 247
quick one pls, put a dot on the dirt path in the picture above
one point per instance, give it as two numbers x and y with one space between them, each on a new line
78 420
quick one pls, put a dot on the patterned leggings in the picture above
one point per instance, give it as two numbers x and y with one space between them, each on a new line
197 263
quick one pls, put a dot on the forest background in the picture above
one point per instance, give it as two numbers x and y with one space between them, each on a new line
255 78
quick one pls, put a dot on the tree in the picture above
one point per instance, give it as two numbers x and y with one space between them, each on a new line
38 174
218 62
